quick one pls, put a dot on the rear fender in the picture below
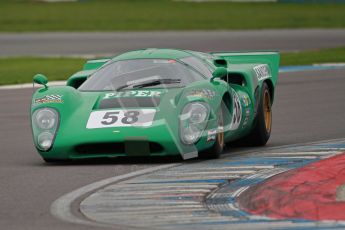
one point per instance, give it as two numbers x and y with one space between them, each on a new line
257 67
269 58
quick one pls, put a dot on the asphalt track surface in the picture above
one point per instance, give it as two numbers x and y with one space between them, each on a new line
109 43
309 106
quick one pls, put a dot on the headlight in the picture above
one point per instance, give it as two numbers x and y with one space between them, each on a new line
45 140
44 125
46 118
193 121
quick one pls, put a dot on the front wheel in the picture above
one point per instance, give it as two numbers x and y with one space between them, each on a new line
215 151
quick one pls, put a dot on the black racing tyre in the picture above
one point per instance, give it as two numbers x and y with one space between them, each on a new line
216 150
263 121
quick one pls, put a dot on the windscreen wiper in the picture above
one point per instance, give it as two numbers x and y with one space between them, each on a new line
157 82
150 83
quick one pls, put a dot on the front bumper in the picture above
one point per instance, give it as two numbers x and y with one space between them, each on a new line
157 140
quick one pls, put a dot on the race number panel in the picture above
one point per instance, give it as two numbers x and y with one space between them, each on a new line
121 118
236 112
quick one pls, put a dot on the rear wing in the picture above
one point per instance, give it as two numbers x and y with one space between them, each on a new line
95 63
261 57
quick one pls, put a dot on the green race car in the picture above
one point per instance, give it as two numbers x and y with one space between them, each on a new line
156 102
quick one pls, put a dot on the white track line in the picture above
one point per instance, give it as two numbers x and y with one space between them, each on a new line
61 208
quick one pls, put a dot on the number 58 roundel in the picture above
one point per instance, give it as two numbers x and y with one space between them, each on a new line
120 118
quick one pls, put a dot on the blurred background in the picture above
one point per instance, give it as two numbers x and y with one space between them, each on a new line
56 36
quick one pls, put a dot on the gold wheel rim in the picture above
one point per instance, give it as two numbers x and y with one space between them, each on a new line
267 111
220 135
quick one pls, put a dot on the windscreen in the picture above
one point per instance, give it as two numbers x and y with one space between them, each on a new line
141 73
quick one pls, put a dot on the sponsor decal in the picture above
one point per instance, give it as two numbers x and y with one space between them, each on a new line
133 93
53 98
211 135
236 111
121 118
205 93
246 100
262 72
246 119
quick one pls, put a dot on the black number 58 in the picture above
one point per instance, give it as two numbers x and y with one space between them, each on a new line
110 118
130 117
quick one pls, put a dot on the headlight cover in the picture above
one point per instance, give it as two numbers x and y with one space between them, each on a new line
46 118
45 140
193 121
44 125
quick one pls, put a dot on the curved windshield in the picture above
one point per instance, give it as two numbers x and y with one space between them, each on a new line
141 73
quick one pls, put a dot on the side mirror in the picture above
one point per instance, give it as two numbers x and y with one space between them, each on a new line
41 79
220 72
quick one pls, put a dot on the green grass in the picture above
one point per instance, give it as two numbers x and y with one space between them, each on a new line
313 57
21 70
141 15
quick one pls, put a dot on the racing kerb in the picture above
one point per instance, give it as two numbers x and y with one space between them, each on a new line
204 195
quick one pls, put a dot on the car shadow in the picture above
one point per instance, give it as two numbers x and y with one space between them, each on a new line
229 150
117 161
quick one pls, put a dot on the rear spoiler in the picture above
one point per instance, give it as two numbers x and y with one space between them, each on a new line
260 57
95 63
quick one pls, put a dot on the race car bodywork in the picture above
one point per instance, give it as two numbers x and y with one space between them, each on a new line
156 102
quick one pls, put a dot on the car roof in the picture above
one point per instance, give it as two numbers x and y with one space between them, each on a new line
153 53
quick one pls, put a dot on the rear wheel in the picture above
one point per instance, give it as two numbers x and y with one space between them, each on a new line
215 151
263 121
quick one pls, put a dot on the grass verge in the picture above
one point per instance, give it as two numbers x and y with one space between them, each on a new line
138 15
313 57
22 69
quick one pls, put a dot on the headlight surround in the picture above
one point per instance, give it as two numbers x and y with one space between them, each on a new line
45 122
193 121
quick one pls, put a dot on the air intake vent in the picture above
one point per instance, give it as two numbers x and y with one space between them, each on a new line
220 63
112 148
